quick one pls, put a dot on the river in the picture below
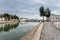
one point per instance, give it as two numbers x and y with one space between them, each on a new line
15 31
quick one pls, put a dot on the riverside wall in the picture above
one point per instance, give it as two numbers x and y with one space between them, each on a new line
34 34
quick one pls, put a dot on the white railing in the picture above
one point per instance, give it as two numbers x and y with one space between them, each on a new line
56 24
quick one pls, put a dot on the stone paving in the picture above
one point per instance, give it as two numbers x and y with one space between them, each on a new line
50 32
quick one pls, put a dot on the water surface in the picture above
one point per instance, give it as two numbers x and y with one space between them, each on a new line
15 31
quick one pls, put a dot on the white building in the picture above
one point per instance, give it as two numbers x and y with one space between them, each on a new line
2 19
55 18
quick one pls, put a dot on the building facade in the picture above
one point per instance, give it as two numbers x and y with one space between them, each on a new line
54 18
2 19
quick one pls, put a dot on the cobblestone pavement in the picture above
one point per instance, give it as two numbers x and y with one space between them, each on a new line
50 32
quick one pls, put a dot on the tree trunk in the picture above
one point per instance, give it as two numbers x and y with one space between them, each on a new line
47 19
43 18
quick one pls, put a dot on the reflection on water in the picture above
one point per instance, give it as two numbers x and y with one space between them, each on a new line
7 27
15 31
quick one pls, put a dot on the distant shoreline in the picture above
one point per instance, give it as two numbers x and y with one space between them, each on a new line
12 22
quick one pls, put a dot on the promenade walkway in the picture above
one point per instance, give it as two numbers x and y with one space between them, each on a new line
50 32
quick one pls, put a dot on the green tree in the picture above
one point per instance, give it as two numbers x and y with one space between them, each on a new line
48 13
7 16
42 12
16 17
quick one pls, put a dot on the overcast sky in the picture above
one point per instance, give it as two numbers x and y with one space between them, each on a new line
28 8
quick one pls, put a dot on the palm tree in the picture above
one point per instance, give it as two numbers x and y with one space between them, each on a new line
48 13
42 12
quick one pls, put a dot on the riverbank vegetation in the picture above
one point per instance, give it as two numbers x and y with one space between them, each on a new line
8 17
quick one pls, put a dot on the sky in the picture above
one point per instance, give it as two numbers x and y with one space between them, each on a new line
28 8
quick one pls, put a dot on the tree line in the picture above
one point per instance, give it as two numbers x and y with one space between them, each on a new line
8 16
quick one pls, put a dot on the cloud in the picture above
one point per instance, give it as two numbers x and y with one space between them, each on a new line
58 5
39 1
28 8
55 12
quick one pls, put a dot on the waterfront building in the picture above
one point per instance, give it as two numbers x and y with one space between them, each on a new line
55 18
2 18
